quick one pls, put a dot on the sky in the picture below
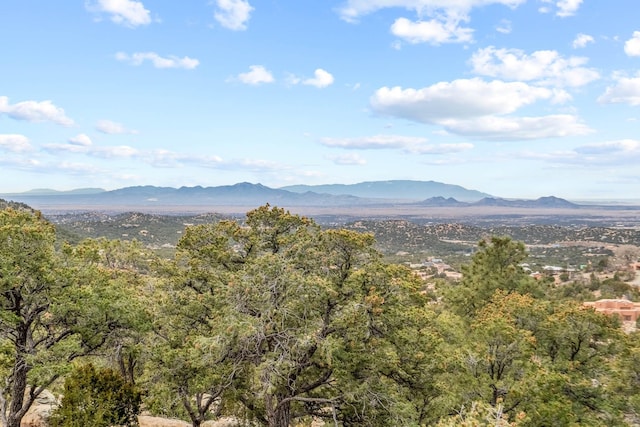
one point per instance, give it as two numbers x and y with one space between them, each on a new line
515 98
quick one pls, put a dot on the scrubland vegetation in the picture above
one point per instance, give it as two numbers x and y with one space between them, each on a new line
276 321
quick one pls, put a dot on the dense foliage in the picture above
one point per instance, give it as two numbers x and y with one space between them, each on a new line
276 321
97 398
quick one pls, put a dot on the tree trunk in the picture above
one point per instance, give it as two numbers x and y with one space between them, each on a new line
16 411
19 383
280 416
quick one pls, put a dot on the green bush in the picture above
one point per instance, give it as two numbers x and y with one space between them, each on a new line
97 398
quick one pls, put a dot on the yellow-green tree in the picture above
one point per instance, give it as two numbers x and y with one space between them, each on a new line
54 308
276 320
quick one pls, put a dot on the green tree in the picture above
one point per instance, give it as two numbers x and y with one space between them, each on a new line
496 265
131 269
298 322
54 308
97 398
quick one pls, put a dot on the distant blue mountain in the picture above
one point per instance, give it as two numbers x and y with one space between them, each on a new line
422 194
50 192
395 190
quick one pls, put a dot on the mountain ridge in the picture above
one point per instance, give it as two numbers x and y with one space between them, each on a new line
394 189
240 197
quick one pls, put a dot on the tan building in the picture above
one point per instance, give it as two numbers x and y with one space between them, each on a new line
628 311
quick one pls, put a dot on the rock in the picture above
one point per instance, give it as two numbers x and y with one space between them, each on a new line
40 411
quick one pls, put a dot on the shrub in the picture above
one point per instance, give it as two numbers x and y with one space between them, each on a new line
97 398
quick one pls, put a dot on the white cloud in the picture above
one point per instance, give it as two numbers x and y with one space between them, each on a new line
504 27
568 7
622 147
374 142
625 91
106 152
120 151
321 79
14 143
353 9
546 67
464 98
582 40
632 46
233 14
433 31
438 21
130 13
348 159
112 128
162 158
81 140
518 128
34 111
477 108
66 148
565 7
256 75
158 61
609 153
408 144
443 148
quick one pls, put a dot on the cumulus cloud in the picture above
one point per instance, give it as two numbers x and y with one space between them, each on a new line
625 91
438 21
80 143
632 46
256 75
374 142
233 14
158 61
546 67
582 40
608 153
112 128
408 144
130 13
564 8
14 143
433 31
120 151
464 98
621 147
498 128
320 79
354 9
567 7
34 111
81 140
476 108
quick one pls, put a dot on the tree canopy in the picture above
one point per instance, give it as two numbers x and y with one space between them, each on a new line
277 321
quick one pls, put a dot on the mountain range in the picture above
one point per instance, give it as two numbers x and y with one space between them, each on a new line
398 193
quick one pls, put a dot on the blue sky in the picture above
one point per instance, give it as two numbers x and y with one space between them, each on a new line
516 98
